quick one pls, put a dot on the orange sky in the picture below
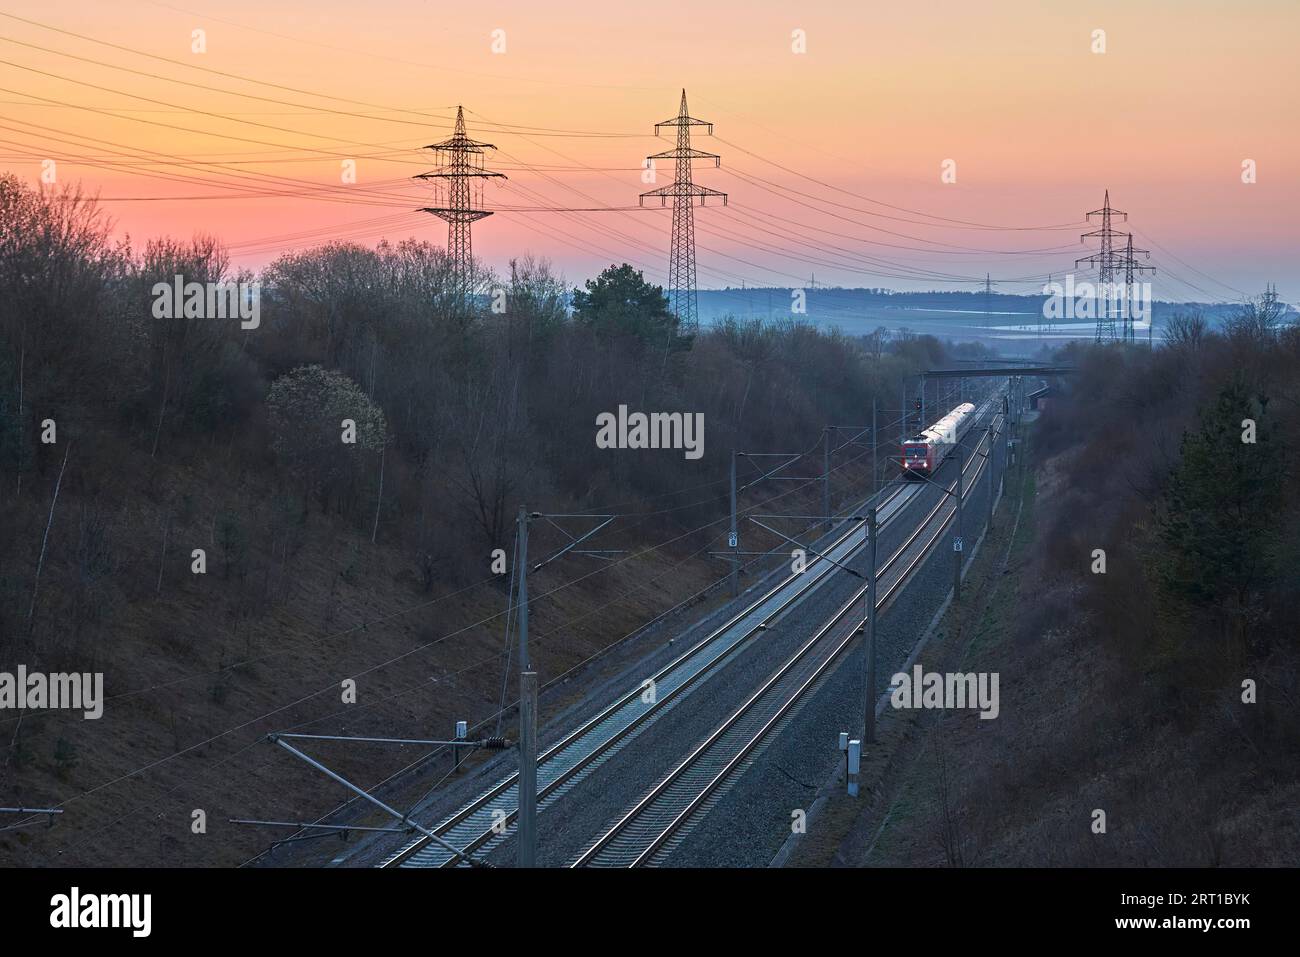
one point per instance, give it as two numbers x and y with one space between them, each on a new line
1037 124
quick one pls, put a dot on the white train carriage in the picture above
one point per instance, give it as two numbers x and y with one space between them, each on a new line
923 454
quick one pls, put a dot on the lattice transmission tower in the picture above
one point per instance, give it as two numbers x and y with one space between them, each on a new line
1269 302
458 197
1131 266
681 256
1107 261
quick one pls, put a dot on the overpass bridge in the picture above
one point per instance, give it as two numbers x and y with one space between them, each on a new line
1039 371
1015 397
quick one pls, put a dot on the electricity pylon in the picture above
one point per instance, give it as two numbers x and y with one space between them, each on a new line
1130 267
1107 261
1270 304
681 257
458 189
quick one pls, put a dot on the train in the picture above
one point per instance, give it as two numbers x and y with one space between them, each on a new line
925 452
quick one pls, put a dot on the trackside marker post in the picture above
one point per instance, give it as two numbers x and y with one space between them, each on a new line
855 765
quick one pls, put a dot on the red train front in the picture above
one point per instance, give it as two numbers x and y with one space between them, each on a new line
917 457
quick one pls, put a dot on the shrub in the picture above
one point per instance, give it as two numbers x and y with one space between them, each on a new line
306 409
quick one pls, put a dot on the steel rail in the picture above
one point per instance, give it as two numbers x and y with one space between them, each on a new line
700 752
482 801
604 746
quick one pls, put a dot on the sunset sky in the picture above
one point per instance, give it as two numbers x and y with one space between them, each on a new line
831 158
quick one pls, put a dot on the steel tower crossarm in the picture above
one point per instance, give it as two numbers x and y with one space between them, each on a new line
683 192
459 174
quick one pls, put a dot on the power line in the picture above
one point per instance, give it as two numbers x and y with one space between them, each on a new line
440 67
245 79
952 223
772 187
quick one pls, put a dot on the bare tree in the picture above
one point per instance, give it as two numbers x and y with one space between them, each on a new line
1185 330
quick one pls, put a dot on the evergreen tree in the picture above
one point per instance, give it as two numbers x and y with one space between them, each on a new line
1218 522
619 302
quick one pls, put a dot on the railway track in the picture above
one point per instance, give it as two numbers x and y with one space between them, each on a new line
658 821
489 816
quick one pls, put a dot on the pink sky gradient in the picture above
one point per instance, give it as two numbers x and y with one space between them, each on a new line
1037 124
